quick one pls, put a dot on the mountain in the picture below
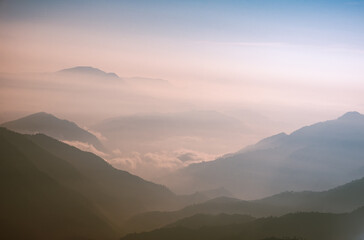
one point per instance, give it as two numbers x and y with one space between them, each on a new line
313 226
87 71
315 157
156 219
112 195
35 205
204 220
341 199
215 193
54 127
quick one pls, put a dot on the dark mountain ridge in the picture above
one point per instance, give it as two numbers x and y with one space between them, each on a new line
315 157
313 226
341 199
35 205
107 194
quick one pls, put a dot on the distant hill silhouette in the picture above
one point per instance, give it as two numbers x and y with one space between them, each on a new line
341 199
54 127
86 70
100 193
313 226
315 157
204 220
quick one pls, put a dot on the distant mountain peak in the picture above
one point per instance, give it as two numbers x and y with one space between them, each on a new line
352 116
44 116
50 125
87 70
41 114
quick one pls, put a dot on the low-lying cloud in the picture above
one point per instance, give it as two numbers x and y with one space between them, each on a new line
87 147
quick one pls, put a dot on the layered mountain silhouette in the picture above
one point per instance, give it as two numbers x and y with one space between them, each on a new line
96 73
315 157
51 190
313 226
345 198
54 127
88 71
204 220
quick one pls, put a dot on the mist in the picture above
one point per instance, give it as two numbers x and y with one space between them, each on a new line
152 127
182 119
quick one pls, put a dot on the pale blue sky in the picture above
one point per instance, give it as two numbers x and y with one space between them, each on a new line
307 40
293 55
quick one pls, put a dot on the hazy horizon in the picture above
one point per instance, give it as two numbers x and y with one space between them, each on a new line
170 119
249 69
285 60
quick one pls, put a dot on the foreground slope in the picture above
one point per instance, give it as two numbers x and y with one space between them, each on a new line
124 190
316 157
36 206
114 194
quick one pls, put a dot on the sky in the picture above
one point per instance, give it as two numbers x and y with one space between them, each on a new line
258 52
266 40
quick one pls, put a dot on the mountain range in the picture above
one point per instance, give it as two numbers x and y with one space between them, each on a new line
345 198
76 194
313 226
53 190
316 157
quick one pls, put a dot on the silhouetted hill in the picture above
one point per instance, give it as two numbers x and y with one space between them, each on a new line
313 226
139 194
114 194
340 199
54 127
86 70
204 220
337 200
34 205
315 157
151 220
216 192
